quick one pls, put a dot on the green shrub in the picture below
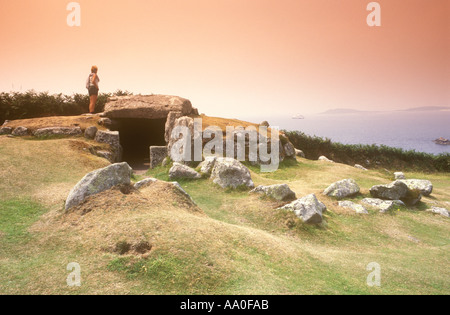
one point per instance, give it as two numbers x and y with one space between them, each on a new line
31 104
379 156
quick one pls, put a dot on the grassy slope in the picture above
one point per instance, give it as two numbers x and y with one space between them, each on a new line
239 244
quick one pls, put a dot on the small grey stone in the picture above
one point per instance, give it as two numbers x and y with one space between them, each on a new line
399 175
441 211
309 209
179 170
58 131
145 182
360 167
228 172
207 165
157 155
354 206
325 159
280 192
299 153
5 131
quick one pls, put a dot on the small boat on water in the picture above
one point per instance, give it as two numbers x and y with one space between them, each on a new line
442 141
298 116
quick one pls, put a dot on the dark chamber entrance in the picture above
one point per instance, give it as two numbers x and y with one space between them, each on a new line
136 137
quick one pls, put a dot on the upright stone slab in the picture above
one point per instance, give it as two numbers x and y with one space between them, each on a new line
157 155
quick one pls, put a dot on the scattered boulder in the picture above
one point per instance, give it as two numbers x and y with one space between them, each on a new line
342 189
440 211
157 155
179 170
424 186
399 175
299 153
98 181
145 182
309 209
354 206
280 192
90 132
228 172
325 159
361 167
5 131
146 106
20 131
207 165
382 205
393 191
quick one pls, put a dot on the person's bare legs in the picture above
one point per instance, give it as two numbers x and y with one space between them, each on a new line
93 100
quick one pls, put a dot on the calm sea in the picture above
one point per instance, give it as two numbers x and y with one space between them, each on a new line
406 130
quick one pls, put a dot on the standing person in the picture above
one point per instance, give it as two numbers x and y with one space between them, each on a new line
92 86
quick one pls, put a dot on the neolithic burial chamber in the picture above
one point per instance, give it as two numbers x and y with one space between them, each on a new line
144 122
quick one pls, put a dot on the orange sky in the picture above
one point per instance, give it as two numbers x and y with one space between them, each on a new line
235 57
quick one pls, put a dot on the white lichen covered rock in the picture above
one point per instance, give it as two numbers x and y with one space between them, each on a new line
179 171
382 205
325 159
228 172
280 192
393 191
343 188
424 186
98 181
360 167
399 175
309 209
441 211
207 165
354 206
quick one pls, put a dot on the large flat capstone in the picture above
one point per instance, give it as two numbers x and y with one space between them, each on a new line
146 106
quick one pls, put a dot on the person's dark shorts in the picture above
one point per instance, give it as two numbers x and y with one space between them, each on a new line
93 90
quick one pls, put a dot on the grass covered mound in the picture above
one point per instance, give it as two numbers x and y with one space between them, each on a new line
153 242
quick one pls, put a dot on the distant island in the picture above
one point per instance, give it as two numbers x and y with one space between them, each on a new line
442 141
346 111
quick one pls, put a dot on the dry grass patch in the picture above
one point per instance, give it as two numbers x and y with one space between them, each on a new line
57 121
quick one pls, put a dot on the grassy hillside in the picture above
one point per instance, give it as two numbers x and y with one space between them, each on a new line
232 243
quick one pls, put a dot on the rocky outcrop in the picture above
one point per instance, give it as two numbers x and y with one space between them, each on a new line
309 209
146 106
157 155
342 189
393 191
228 172
424 186
181 171
353 206
58 131
382 205
98 181
280 192
20 132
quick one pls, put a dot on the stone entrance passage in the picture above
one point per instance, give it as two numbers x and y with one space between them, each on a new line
141 122
136 136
